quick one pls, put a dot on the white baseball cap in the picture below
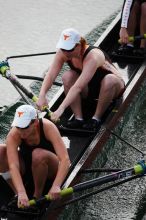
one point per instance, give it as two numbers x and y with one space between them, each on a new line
23 116
68 39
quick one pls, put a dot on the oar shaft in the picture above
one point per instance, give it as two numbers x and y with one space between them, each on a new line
20 92
5 71
92 193
31 55
104 179
19 85
37 78
135 148
138 169
100 170
29 94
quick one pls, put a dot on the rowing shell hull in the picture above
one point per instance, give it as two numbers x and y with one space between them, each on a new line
133 74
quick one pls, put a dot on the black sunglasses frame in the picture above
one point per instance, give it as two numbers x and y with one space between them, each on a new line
32 121
69 50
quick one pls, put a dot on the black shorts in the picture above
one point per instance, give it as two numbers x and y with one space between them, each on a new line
26 157
95 83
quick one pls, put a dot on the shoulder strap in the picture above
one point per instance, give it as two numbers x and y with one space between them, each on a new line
41 128
88 50
93 47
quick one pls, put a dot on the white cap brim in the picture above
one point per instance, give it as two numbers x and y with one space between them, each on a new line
20 123
65 45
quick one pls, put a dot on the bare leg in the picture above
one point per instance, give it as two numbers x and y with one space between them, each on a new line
134 19
4 168
111 87
69 78
3 159
44 165
143 24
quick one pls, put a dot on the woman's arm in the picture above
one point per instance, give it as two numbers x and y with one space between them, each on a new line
53 135
124 21
50 78
12 142
126 13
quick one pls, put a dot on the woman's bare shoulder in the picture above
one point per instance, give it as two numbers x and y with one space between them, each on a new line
13 132
13 136
95 55
48 124
50 129
60 56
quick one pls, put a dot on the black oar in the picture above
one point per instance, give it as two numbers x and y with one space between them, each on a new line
99 170
31 55
134 38
5 72
92 193
37 78
139 168
126 142
22 95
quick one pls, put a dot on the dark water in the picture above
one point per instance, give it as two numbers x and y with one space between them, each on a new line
124 202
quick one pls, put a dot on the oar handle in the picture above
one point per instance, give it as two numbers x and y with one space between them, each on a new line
134 38
63 193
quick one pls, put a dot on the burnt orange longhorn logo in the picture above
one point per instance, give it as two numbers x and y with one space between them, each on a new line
20 114
66 37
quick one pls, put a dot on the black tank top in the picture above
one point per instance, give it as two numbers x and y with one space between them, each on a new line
100 73
44 143
85 54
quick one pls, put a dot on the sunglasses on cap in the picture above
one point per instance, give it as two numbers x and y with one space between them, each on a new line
32 121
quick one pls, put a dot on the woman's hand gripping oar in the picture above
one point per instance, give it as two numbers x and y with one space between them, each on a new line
134 38
50 114
42 105
63 193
